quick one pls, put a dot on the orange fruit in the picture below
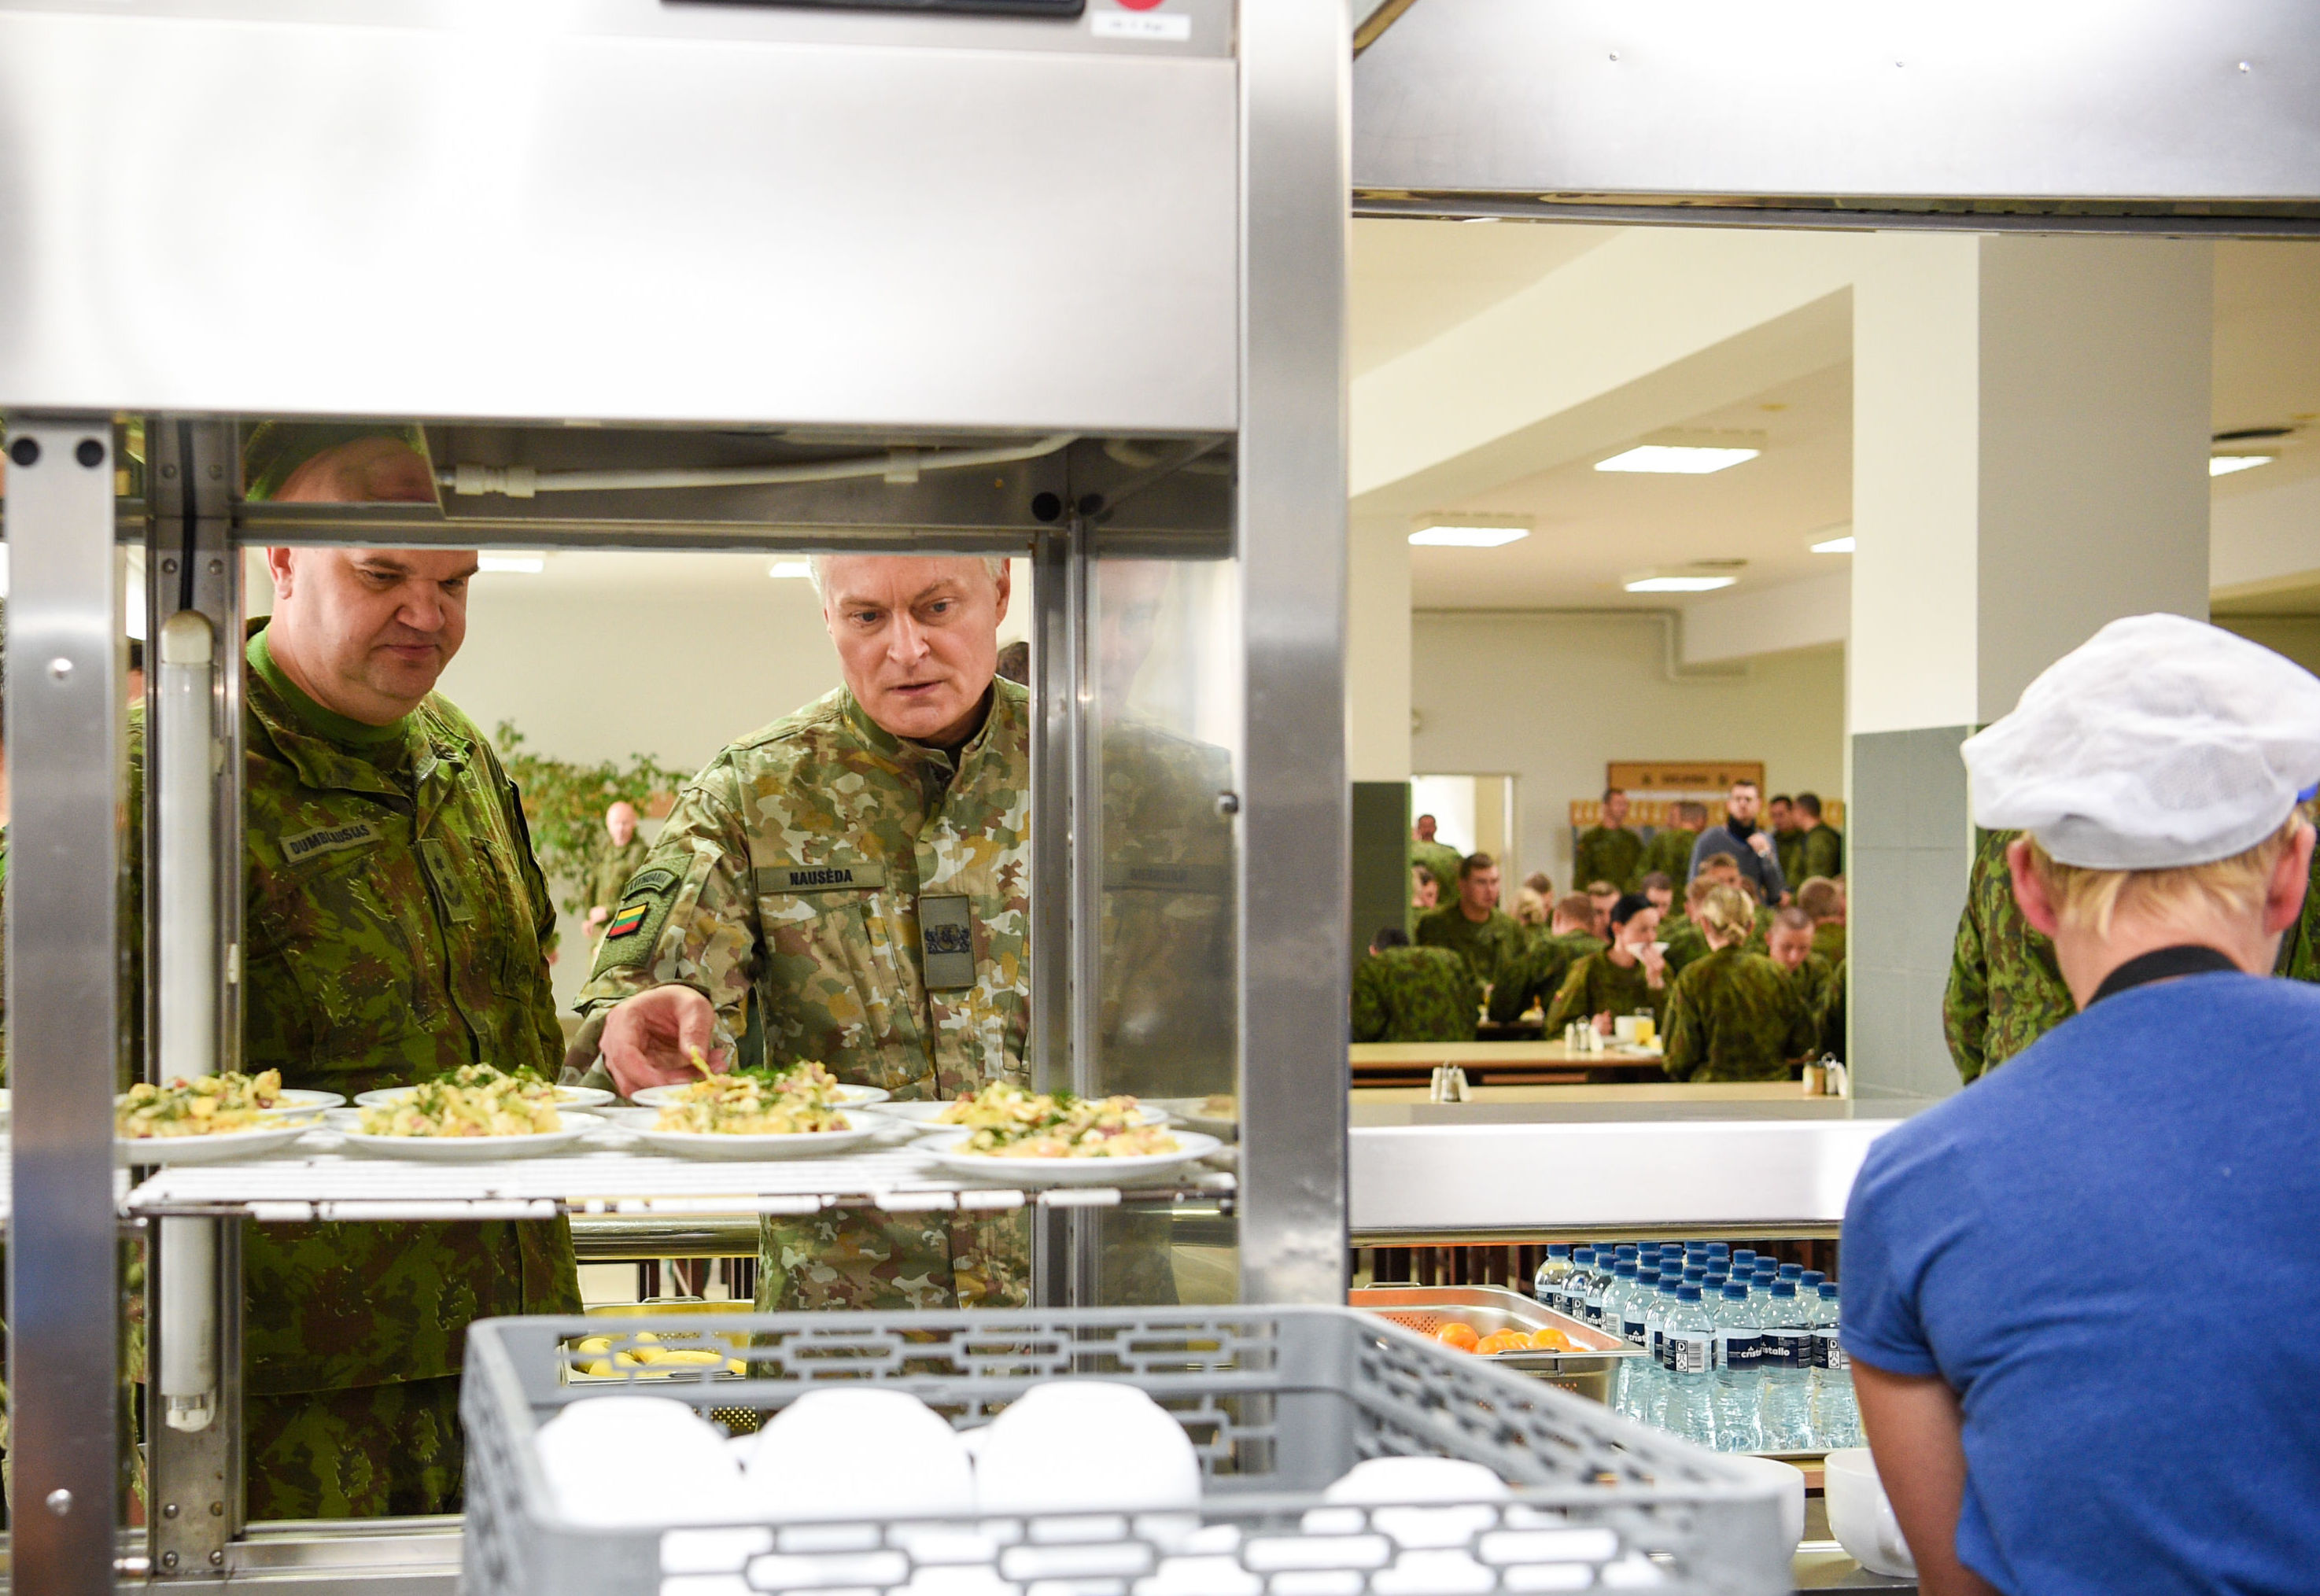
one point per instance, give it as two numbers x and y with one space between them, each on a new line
1458 1335
1504 1341
1549 1340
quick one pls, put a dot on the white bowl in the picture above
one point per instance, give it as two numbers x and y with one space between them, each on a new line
1787 1479
277 1132
1388 1484
566 1097
632 1460
1086 1446
1860 1516
857 1452
942 1149
930 1114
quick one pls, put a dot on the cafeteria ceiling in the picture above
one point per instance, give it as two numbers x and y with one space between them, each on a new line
1494 363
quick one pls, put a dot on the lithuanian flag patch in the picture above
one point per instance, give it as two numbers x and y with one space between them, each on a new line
630 920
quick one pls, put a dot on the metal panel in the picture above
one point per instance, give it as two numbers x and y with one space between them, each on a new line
2086 99
64 910
1291 524
535 222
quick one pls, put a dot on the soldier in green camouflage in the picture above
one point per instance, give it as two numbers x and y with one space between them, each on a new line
2005 989
1608 851
1823 901
862 868
1473 925
1787 842
1624 978
1790 946
1413 994
619 857
1733 1015
397 922
1439 859
1820 849
1685 943
1538 974
1669 851
2299 950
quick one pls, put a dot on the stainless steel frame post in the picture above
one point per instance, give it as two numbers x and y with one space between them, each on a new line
65 998
1295 72
192 939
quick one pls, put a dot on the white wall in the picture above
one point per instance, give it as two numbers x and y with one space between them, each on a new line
1551 698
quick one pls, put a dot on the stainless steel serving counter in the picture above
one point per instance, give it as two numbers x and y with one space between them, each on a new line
1523 1162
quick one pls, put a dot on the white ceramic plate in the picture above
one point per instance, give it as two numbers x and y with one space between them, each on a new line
711 1144
1192 1113
290 1101
847 1097
925 1113
566 1097
469 1149
215 1149
1191 1147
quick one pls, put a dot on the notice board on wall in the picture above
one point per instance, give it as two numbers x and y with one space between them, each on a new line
1687 776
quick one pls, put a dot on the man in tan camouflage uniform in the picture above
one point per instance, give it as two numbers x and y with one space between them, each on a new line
1537 976
2004 989
1473 925
397 922
1413 994
1733 1015
1608 851
862 869
621 857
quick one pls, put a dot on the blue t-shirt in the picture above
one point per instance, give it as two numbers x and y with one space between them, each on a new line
2110 1249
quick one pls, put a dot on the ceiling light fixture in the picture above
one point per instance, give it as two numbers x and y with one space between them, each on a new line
1835 545
1655 582
1677 458
1469 531
784 570
2225 464
525 564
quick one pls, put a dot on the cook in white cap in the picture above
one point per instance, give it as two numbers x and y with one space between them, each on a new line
2065 1286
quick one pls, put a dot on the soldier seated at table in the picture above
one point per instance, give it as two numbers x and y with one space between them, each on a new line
1403 993
1733 1015
1538 974
1630 976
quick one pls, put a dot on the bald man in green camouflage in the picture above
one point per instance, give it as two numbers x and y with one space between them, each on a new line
2005 989
1403 993
397 927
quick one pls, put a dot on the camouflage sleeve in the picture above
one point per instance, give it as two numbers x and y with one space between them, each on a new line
689 917
535 883
1965 1003
1803 1041
1369 1005
1518 983
1570 1000
1686 1047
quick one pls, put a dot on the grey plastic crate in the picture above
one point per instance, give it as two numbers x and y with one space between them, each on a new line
1279 1402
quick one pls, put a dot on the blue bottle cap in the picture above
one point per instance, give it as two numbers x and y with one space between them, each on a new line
1791 1271
1560 1249
1625 1269
1687 1293
1695 1273
1626 1249
1829 1291
1812 1277
1719 1249
1647 1276
1585 1255
1748 1253
1736 1292
1785 1288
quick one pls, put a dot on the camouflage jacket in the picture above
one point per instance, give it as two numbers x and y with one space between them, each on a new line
394 919
1669 853
610 870
1820 852
1829 941
1537 976
2299 951
1811 979
1832 1014
1596 985
1444 861
2004 989
1685 944
1790 846
1605 853
1736 1016
1491 947
1415 995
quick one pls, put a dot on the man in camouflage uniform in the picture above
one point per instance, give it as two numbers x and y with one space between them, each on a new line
1608 851
396 921
1733 1015
1821 847
1537 976
1438 859
1823 902
1669 852
1787 842
1472 924
619 857
2004 989
1790 946
1629 975
1413 994
862 868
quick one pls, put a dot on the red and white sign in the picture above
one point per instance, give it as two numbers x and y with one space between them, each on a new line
1140 19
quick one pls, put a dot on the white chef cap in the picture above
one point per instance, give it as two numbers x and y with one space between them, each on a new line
2157 743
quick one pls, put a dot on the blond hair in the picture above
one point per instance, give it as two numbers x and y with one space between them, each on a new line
1727 911
2089 900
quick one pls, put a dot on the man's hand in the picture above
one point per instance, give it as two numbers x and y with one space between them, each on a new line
1603 1023
649 1039
1654 965
1761 843
596 918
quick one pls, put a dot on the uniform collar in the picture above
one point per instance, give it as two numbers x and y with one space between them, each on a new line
303 733
999 706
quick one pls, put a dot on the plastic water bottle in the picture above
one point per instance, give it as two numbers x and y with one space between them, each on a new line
1547 1284
1744 1261
1574 1284
1784 1408
1688 1337
1612 1304
1836 1416
1599 1280
1646 1385
1793 1273
1720 1249
1739 1372
1634 1291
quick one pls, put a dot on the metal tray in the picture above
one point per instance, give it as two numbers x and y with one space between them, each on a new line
1426 1309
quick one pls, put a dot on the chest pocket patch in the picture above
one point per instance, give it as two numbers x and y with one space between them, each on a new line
458 902
778 879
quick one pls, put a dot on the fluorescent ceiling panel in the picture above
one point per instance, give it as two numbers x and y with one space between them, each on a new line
1676 458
